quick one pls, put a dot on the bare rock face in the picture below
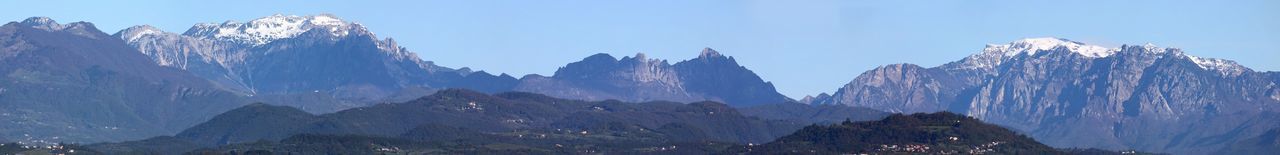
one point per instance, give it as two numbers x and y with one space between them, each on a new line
902 88
1132 97
711 76
601 77
206 58
1138 96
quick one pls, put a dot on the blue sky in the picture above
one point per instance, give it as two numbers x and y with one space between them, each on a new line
804 47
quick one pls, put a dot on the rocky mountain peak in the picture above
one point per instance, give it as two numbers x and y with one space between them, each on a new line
641 57
709 53
45 23
643 69
132 34
810 99
48 24
1148 48
600 57
81 28
1222 66
995 54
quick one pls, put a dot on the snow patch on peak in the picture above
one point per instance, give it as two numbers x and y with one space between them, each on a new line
1095 51
80 28
44 23
325 19
1149 47
132 34
993 55
39 20
266 29
143 27
1033 45
1223 66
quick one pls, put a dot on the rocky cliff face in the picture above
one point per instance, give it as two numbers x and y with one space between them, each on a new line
1067 93
1140 96
899 88
711 76
602 76
206 58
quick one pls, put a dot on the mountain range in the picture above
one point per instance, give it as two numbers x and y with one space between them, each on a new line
74 83
288 55
317 63
1070 94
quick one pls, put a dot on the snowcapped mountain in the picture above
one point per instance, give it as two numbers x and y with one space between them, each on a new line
271 28
283 55
993 55
1062 91
262 31
1031 46
710 76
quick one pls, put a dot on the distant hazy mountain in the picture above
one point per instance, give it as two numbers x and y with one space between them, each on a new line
710 76
1070 94
74 83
